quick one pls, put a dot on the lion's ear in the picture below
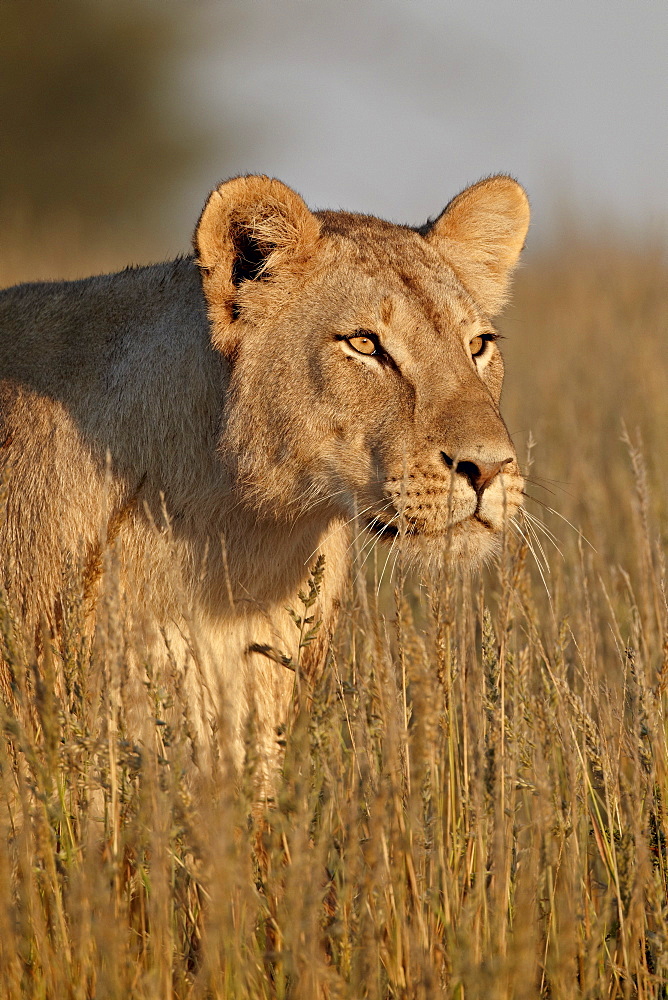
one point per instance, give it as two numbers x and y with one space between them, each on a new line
252 229
481 234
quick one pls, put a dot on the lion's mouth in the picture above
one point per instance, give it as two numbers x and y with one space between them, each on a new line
383 530
388 532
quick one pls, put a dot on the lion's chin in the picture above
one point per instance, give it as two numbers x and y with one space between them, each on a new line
467 544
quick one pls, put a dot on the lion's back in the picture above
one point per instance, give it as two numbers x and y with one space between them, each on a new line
71 331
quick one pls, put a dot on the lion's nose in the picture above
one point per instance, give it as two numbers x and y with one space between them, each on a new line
480 474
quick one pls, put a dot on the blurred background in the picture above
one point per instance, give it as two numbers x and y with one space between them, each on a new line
118 117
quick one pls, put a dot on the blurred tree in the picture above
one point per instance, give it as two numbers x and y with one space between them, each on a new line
85 131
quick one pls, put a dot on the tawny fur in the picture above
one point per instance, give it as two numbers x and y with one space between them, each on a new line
211 420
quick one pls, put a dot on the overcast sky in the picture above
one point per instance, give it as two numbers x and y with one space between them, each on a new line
392 106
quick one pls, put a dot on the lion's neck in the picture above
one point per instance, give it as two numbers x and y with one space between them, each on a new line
241 561
163 428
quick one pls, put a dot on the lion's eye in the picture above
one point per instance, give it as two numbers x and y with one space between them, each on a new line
477 346
364 343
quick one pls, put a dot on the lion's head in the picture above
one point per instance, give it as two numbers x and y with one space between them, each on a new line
364 371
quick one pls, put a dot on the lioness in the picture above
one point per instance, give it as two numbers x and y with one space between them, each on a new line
301 370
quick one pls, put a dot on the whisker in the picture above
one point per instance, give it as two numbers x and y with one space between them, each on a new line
557 514
516 528
371 543
530 538
537 521
313 500
314 487
345 524
539 526
396 558
534 482
394 542
375 520
534 535
540 480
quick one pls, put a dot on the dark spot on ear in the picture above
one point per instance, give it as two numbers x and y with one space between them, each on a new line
249 259
249 256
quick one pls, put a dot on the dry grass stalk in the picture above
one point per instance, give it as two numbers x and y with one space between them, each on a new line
474 802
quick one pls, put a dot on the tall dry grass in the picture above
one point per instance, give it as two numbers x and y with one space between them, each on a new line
474 802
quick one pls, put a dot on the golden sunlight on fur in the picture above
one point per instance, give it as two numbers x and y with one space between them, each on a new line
191 435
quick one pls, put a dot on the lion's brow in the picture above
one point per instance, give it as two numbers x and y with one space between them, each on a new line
386 310
441 315
418 292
